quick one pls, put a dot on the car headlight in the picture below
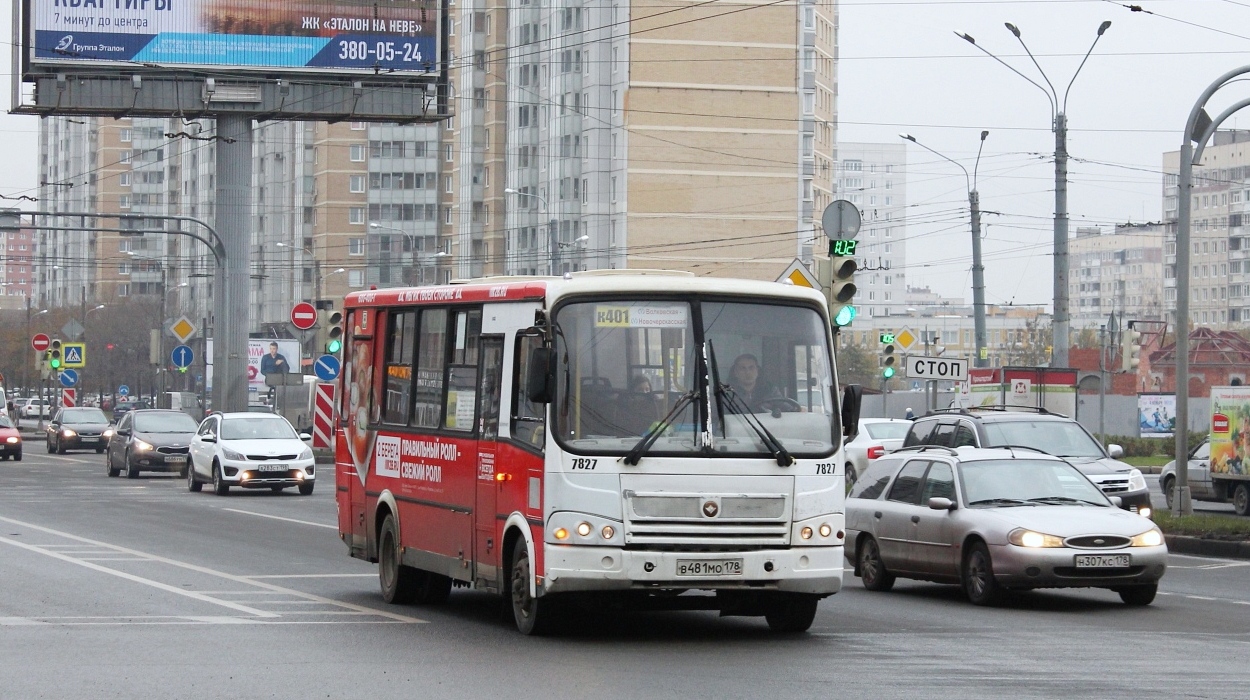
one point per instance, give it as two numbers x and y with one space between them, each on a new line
1136 482
1149 538
1027 538
306 454
13 440
108 433
231 454
142 446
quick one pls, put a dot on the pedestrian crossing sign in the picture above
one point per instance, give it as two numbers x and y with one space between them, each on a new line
75 355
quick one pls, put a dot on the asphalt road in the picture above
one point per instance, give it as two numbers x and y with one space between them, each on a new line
139 589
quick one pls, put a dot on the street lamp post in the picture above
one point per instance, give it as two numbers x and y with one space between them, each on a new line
1058 108
553 240
316 271
981 359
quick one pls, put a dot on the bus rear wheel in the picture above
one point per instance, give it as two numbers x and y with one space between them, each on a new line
398 582
533 615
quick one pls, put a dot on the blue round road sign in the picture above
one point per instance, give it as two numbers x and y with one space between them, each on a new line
182 356
69 378
327 368
123 390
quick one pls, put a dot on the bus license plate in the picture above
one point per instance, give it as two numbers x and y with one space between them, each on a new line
273 467
1103 561
709 567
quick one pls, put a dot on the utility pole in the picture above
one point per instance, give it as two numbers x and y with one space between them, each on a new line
1102 382
553 238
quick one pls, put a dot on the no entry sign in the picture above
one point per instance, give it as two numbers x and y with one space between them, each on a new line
40 342
304 316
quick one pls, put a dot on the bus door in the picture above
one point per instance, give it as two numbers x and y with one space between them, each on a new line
486 555
352 445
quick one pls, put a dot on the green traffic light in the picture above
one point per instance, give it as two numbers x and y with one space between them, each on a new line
845 315
888 372
55 363
334 346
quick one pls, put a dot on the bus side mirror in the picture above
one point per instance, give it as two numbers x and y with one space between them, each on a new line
852 398
538 379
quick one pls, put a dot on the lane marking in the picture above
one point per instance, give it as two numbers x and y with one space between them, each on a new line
279 517
312 576
139 579
246 580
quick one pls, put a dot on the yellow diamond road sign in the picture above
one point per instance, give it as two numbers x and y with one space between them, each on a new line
183 329
798 274
904 339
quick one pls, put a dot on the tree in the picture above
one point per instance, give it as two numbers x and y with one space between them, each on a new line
857 365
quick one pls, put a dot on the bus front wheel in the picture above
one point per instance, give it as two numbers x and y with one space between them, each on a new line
533 615
791 614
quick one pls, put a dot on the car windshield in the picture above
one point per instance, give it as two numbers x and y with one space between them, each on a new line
5 422
626 366
1020 481
164 423
1059 438
256 428
887 431
83 415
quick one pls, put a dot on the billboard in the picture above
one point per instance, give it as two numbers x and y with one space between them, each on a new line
264 356
300 35
1156 415
1230 430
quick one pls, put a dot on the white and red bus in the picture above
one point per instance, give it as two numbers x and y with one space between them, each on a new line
623 434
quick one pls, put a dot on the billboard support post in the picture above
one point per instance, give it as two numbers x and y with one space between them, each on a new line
234 183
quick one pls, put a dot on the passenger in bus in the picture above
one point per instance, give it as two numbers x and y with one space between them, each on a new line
639 410
747 384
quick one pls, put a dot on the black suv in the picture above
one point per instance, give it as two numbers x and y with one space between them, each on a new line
1051 433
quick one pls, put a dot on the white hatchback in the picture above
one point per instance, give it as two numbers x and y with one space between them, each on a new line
251 451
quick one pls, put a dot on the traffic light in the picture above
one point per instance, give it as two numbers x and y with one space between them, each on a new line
334 333
842 291
888 361
1130 349
54 356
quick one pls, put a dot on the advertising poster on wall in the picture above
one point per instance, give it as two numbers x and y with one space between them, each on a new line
387 35
1156 415
1230 430
264 356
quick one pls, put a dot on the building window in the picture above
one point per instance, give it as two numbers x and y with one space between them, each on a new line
356 184
123 202
358 152
359 126
123 290
356 215
355 246
125 136
355 278
124 180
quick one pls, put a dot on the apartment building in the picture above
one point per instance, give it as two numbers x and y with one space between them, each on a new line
17 267
873 177
585 135
1220 247
1120 271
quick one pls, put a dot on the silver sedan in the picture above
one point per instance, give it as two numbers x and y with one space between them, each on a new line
993 520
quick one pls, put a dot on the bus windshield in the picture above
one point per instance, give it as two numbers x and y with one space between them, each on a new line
626 366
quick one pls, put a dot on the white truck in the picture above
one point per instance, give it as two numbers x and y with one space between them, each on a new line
1219 467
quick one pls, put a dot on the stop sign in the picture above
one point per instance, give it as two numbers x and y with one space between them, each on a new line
304 316
40 342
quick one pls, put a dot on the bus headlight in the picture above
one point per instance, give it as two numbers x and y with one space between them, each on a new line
820 531
583 529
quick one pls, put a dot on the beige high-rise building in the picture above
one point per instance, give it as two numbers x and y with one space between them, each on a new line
1119 271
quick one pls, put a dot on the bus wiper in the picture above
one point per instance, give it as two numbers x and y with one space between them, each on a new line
659 427
771 443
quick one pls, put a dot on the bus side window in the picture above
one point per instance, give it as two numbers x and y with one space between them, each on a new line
528 418
462 371
488 396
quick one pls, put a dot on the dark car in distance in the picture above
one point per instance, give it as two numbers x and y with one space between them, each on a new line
124 407
77 429
155 440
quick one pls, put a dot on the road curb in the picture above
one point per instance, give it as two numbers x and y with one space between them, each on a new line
1184 544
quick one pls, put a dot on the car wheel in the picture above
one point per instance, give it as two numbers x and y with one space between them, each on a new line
306 488
1241 500
132 472
791 614
108 466
1138 595
979 583
193 484
398 582
872 571
17 457
1169 490
99 450
533 615
60 448
220 487
51 447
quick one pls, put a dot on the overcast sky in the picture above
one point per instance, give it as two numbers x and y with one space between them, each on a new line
902 69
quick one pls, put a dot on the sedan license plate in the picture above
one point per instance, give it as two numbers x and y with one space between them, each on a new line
272 468
176 459
1103 561
709 567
